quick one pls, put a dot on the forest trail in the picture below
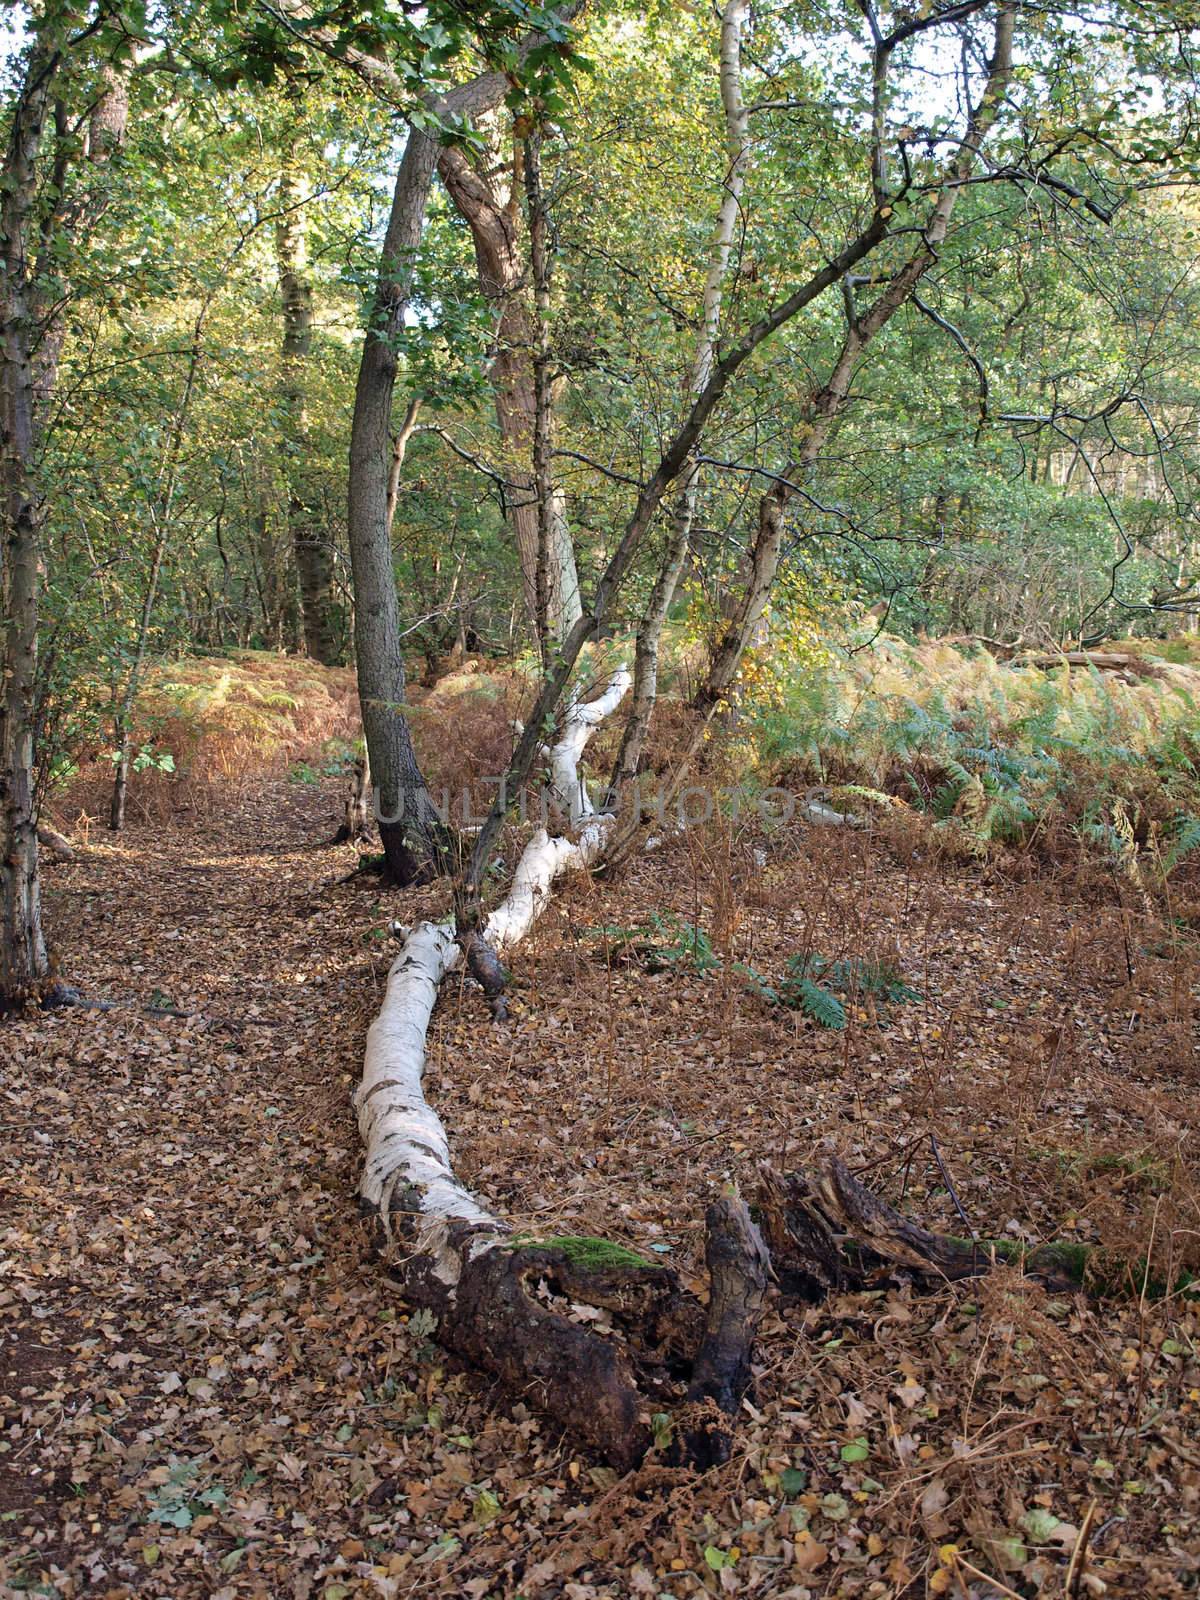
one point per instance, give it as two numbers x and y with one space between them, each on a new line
206 1387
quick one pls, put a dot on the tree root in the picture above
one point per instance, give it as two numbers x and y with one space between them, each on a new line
667 1373
826 1230
515 1309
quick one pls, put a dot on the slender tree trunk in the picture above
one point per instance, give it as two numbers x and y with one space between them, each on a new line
24 966
31 339
543 481
820 414
406 824
400 794
309 540
502 275
161 509
123 722
738 152
400 443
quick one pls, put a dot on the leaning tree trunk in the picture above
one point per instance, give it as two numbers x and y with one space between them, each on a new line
162 508
821 412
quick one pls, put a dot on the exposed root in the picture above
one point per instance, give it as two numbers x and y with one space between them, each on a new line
828 1230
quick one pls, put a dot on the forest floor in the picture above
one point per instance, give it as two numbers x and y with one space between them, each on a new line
207 1387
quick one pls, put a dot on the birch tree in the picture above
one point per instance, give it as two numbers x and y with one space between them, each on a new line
40 206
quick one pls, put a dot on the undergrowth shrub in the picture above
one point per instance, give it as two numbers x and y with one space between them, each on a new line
813 984
994 754
205 721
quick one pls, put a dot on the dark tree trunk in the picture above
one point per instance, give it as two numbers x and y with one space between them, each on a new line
407 825
401 801
310 542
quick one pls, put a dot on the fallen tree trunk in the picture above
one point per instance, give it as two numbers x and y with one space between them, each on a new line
664 1371
451 1255
1119 661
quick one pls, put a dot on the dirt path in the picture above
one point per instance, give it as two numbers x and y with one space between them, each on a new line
205 1389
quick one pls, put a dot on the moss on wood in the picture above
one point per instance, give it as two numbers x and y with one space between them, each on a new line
586 1253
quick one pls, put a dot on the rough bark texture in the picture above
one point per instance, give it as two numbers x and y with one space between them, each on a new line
739 1269
827 1230
396 775
406 824
24 966
357 817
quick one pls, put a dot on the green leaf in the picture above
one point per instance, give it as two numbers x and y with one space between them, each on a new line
858 1451
485 1507
793 1481
1039 1524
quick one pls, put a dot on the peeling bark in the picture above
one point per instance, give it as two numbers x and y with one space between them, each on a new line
449 1253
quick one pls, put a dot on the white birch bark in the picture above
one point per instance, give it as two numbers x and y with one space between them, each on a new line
739 150
407 1165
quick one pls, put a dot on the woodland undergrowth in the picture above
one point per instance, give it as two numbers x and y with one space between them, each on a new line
210 1388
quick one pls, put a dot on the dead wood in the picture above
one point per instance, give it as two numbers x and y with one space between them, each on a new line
739 1268
60 848
485 967
514 1312
829 1229
356 818
1103 660
510 1314
806 1257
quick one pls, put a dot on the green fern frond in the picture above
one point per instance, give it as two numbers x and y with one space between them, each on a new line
1184 838
825 1009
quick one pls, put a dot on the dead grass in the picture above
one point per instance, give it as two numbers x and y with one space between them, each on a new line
227 722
